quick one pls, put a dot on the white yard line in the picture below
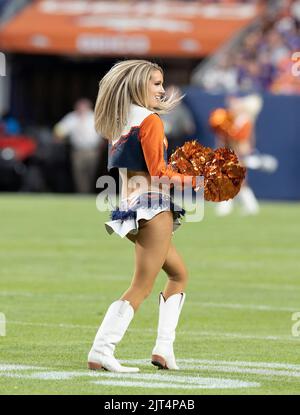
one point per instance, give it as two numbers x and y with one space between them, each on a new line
239 336
272 369
256 307
9 366
203 383
272 365
252 371
199 333
166 380
53 325
157 380
237 306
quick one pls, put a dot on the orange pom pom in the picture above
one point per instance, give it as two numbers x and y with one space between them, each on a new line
224 125
223 175
218 117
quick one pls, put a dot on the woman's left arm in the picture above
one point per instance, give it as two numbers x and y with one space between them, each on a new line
152 141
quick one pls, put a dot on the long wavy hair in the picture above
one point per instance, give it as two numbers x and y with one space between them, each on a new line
126 83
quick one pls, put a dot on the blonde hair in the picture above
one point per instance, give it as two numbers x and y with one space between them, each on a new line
126 83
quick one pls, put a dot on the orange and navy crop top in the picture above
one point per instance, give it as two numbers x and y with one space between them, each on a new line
143 146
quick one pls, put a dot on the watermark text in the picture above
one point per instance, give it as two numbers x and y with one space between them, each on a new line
296 326
2 64
2 325
152 192
296 65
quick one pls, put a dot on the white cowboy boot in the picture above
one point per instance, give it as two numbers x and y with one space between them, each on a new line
110 333
169 311
224 208
248 200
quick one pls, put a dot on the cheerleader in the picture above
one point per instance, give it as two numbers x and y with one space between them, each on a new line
131 97
235 128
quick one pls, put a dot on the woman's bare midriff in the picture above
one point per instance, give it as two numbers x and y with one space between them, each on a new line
135 183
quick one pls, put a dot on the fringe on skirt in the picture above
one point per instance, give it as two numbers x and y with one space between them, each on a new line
125 219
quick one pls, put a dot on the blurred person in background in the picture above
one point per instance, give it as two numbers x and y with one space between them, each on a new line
237 132
178 123
79 127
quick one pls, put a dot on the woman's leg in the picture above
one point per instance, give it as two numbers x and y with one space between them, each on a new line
151 248
170 305
175 269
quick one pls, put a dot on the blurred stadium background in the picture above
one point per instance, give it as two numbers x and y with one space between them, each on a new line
58 267
57 51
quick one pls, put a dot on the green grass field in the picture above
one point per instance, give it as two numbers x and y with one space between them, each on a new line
60 270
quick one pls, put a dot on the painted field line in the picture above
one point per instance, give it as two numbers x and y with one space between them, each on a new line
50 295
236 363
199 333
272 365
16 294
199 303
268 286
53 325
269 369
9 366
204 383
252 371
157 380
254 307
47 373
238 336
55 375
233 367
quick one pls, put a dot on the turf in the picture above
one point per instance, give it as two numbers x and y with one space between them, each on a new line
60 270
